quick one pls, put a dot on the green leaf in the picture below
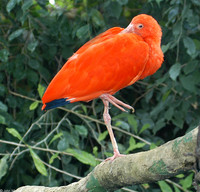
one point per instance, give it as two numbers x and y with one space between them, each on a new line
102 136
81 129
165 47
63 144
188 82
164 186
176 188
32 45
178 121
2 120
3 166
3 107
169 113
133 122
15 34
83 32
122 2
149 95
123 125
187 182
190 67
158 108
11 4
114 9
133 145
180 176
139 145
144 127
56 137
197 44
159 125
153 146
166 94
33 105
41 90
54 156
196 2
83 156
2 90
177 28
174 71
189 45
38 163
14 133
84 108
173 13
34 64
27 4
33 76
4 53
97 18
146 185
95 151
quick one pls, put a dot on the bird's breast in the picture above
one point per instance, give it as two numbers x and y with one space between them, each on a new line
155 59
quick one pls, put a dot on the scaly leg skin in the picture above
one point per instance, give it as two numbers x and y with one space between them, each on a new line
106 98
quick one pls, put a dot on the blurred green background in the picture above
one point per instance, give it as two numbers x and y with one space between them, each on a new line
60 146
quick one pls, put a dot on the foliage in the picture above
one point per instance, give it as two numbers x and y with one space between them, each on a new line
36 38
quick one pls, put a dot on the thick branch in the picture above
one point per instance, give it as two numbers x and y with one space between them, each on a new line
150 166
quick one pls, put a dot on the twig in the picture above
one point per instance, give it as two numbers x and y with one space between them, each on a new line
61 171
24 97
176 184
86 117
34 147
100 122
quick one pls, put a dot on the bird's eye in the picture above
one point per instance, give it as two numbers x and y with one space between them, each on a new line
140 26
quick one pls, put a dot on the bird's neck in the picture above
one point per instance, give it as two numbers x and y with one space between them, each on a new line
155 57
153 40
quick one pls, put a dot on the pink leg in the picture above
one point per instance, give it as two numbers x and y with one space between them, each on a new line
106 98
116 102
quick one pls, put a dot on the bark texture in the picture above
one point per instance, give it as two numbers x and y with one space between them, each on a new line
160 163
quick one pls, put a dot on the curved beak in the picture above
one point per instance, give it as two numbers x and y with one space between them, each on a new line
129 29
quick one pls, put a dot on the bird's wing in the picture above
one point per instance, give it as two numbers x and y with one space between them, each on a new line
100 38
104 67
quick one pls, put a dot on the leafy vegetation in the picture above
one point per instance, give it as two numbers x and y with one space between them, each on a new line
60 146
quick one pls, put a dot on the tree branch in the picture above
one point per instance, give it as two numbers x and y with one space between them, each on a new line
160 163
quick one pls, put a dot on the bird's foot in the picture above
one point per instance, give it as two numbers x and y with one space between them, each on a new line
116 102
116 155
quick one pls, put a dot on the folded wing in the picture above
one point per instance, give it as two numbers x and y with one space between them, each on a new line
106 64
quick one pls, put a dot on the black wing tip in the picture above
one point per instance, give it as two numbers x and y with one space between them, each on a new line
55 103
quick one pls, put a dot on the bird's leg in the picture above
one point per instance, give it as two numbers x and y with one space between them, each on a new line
116 102
107 120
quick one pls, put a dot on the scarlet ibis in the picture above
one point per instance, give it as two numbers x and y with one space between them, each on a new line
109 62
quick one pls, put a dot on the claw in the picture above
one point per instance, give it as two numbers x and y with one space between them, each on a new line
116 155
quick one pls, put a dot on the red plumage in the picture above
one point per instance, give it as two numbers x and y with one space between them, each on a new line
111 61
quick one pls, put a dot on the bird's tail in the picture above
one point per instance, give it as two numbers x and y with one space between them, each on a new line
55 103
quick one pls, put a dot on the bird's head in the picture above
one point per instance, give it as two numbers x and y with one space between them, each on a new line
145 26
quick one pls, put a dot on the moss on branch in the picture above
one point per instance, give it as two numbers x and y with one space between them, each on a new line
157 164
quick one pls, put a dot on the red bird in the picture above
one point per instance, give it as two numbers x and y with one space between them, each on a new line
111 61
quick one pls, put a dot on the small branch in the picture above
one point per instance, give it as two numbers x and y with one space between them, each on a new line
33 147
86 117
61 171
23 96
160 163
